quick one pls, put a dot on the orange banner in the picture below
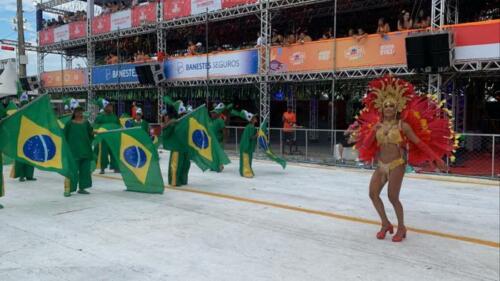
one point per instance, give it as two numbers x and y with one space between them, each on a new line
72 78
350 53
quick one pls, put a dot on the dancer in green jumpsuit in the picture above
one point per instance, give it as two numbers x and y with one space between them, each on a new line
217 125
107 117
139 122
22 170
179 163
79 134
247 148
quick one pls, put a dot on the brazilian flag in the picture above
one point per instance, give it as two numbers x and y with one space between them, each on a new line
126 121
11 108
156 142
64 119
137 157
32 136
264 145
193 132
98 145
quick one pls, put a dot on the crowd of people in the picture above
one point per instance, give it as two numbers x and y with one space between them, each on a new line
107 8
65 19
116 6
301 35
223 37
128 50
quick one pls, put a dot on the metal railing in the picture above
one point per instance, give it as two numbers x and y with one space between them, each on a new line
477 156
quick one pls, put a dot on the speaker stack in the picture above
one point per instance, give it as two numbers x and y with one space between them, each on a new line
429 52
150 74
30 83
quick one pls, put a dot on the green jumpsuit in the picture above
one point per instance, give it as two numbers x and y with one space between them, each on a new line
79 137
23 171
217 126
247 147
100 120
179 163
143 124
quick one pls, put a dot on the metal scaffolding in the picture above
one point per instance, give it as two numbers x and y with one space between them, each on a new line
264 54
161 46
442 12
90 60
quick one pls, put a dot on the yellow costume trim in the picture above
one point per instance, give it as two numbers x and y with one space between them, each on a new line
247 170
13 171
174 165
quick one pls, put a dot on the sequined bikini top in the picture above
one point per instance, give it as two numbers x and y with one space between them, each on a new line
389 133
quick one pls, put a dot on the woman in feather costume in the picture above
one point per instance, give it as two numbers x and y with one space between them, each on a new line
396 123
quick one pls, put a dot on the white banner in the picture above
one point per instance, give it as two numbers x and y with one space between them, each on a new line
235 63
61 33
121 20
200 6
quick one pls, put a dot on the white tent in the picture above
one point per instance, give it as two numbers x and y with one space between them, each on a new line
8 80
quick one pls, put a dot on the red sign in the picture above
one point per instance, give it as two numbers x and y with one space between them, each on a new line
46 37
8 48
477 41
101 24
144 14
232 3
487 32
77 30
176 9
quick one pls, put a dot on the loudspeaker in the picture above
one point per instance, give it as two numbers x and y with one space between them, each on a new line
30 83
429 50
415 52
144 74
150 74
439 47
24 83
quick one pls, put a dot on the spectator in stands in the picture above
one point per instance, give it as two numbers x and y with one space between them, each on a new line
191 49
161 56
277 39
199 48
107 8
383 27
360 35
404 21
422 20
328 34
112 59
303 37
261 41
290 39
351 33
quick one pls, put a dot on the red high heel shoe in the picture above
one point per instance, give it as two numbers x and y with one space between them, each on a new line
398 237
381 234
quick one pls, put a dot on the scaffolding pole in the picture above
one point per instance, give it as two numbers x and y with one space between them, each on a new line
264 89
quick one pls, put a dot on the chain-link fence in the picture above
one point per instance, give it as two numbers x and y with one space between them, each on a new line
477 156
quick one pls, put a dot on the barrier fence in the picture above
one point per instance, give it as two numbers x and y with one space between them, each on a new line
477 156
